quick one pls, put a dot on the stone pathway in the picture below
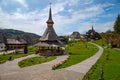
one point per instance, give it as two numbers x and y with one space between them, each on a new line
44 72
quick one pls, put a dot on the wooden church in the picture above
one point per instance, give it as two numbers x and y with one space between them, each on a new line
49 43
93 35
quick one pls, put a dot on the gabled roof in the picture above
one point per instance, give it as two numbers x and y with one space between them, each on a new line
75 35
14 41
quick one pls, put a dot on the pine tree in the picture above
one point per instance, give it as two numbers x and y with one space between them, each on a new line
117 25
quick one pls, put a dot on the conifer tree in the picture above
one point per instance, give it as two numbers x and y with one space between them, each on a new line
117 25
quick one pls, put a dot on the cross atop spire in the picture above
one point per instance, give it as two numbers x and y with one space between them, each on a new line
50 4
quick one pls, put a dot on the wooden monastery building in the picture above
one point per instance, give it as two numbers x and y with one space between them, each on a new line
12 44
49 43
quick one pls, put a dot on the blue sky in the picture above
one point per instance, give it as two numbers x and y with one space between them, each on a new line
68 15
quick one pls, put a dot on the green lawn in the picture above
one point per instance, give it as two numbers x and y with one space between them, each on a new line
5 57
101 42
79 51
111 66
35 60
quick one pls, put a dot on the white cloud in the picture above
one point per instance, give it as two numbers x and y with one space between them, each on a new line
87 1
75 2
72 2
27 22
81 14
22 2
105 26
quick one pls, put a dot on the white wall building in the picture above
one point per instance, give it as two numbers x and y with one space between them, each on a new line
2 46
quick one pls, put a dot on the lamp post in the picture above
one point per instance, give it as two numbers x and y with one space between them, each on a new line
101 74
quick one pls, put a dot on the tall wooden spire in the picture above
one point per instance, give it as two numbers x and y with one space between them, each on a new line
50 21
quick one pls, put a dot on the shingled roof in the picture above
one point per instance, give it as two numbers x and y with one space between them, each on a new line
75 35
49 35
15 41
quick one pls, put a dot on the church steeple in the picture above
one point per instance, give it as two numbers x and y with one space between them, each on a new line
49 34
49 38
50 21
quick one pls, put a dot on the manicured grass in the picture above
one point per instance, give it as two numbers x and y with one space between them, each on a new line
35 60
5 57
79 51
101 42
111 66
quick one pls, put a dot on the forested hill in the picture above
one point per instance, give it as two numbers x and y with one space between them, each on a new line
29 37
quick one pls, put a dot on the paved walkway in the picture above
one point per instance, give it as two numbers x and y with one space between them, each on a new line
11 71
85 65
10 66
44 72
